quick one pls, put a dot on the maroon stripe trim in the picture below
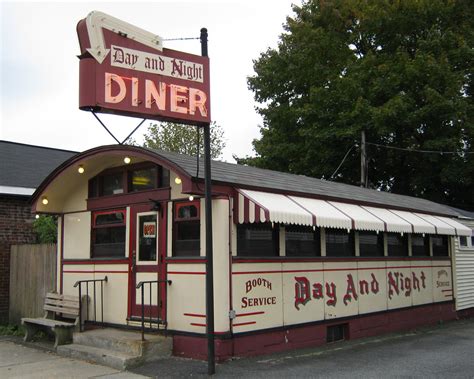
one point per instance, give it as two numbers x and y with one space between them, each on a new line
377 217
421 218
412 226
246 208
249 314
303 207
245 323
257 213
344 213
332 270
194 315
196 324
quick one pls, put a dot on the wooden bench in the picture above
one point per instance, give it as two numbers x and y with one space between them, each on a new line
61 317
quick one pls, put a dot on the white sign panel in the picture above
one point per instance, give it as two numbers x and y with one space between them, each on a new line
156 64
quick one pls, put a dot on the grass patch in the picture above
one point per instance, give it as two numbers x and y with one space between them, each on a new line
12 330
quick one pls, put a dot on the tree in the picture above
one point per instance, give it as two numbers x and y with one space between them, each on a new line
401 70
46 229
183 139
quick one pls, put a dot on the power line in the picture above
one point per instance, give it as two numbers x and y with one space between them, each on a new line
180 39
343 159
420 151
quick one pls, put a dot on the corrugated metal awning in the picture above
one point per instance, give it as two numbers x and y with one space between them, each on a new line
257 206
447 226
419 225
393 223
324 213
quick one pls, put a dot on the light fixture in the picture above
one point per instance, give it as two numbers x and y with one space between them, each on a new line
80 169
127 160
45 200
37 217
191 197
177 180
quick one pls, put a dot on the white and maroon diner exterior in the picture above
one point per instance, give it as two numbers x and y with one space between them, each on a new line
297 261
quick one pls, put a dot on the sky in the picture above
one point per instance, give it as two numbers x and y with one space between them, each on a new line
39 66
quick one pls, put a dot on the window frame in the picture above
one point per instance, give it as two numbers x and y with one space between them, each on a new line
443 237
177 220
316 253
426 240
380 245
275 229
351 242
95 227
95 184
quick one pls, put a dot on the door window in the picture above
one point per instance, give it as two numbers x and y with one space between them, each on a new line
147 234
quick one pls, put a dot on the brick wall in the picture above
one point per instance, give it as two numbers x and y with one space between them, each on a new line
15 228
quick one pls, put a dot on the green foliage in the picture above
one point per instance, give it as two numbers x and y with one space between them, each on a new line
183 139
46 229
11 330
400 70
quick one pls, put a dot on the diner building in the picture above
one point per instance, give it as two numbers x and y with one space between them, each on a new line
298 261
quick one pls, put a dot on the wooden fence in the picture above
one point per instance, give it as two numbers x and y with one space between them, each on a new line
32 275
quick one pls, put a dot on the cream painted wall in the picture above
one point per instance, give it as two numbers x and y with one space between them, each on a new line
274 294
186 306
115 290
77 235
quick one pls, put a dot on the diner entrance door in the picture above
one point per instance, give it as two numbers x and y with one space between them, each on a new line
146 268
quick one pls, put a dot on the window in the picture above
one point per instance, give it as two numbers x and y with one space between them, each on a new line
463 241
339 243
111 184
302 241
371 244
420 246
257 240
147 231
397 245
128 179
108 234
143 179
186 230
440 246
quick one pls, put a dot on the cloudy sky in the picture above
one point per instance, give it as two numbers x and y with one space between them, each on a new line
39 68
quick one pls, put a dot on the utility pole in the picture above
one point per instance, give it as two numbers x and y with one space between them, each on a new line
363 161
211 364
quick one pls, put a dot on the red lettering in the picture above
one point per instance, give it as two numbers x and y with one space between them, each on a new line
392 285
318 291
351 292
301 291
331 293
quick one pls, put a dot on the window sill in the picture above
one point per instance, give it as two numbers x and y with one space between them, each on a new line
109 261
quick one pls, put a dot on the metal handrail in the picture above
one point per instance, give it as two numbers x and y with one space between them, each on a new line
79 283
142 286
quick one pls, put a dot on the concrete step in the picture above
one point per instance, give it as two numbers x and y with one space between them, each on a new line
120 349
116 359
154 346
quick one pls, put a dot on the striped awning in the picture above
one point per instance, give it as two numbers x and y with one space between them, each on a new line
257 206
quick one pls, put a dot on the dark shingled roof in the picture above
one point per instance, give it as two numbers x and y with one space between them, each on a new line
251 177
27 166
464 214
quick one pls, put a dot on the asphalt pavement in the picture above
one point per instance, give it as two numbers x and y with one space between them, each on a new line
444 351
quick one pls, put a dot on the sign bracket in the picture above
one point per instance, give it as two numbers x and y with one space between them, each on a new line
115 138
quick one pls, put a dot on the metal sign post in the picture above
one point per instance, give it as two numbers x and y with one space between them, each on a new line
211 364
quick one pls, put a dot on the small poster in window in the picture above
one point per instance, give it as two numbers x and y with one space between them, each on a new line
149 229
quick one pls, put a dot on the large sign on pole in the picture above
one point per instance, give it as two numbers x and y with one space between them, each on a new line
125 70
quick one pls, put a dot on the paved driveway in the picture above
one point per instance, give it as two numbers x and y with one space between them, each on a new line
445 351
